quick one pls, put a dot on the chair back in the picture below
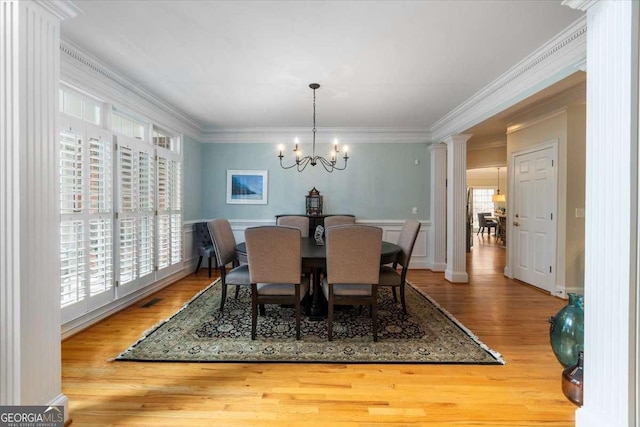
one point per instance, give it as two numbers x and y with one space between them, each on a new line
274 254
482 221
203 237
224 242
407 240
334 220
295 221
353 254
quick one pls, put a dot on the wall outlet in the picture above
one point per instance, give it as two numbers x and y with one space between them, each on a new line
414 210
579 212
416 162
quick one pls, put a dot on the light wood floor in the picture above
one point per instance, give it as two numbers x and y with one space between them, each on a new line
508 316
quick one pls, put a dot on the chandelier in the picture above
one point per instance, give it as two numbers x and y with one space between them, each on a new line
302 162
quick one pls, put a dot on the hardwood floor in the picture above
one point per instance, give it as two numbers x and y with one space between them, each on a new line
508 316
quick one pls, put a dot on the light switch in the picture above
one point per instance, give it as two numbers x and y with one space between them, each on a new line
579 212
416 162
414 210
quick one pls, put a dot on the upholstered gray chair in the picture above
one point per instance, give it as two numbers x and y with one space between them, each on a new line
389 275
334 220
275 267
299 222
205 245
483 223
353 270
224 244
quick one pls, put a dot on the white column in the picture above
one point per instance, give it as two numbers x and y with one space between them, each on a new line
29 207
611 252
456 271
438 208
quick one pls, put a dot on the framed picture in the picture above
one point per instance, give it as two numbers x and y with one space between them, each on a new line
247 187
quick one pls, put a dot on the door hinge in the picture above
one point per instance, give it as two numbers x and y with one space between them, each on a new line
551 163
551 216
156 268
117 284
117 215
549 269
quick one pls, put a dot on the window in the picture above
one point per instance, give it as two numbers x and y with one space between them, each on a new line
120 205
481 202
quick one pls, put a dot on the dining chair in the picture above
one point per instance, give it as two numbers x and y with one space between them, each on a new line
389 275
483 223
299 222
224 244
205 245
275 266
353 270
334 220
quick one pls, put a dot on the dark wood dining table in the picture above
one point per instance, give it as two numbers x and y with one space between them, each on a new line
315 257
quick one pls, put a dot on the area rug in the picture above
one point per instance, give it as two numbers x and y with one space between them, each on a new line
200 333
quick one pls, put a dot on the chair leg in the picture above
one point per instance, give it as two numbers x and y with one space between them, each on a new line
395 297
198 266
224 296
404 302
297 312
330 314
254 310
209 266
374 311
237 291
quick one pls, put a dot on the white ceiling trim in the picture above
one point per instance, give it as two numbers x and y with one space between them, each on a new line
555 60
324 135
490 141
80 69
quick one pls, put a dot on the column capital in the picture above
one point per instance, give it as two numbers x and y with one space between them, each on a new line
457 138
437 146
580 4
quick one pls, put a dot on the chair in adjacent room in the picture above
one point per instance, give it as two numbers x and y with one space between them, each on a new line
483 223
275 266
205 245
389 275
224 244
299 222
334 220
353 270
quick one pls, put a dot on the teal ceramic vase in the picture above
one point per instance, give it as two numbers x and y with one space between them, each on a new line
567 331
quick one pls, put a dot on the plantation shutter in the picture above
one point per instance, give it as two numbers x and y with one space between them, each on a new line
169 212
136 215
86 223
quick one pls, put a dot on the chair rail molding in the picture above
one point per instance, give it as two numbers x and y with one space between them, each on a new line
560 57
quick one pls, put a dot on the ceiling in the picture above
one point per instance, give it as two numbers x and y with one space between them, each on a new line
381 64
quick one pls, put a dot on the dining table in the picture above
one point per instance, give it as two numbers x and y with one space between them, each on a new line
314 257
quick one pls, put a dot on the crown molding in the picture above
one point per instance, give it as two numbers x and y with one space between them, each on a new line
535 121
286 135
560 57
63 9
489 141
83 71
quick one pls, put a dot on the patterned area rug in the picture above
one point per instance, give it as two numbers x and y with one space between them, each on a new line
199 333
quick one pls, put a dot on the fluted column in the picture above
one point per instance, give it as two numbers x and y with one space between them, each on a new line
456 271
438 208
29 203
611 252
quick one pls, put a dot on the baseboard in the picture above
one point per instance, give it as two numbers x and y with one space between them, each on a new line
456 276
438 266
81 323
62 400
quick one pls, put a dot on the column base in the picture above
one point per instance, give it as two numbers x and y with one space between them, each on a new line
456 276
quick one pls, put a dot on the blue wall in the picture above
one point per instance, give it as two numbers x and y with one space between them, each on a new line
381 181
192 154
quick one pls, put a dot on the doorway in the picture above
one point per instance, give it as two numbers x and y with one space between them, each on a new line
533 215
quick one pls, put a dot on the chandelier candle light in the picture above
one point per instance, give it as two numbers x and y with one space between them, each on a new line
302 162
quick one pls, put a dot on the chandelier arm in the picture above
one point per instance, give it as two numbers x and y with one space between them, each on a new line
286 167
302 164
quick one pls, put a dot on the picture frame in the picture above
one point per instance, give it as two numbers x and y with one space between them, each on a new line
247 187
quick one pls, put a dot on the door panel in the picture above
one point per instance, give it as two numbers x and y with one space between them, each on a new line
534 218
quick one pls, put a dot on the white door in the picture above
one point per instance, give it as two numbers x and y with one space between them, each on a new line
534 218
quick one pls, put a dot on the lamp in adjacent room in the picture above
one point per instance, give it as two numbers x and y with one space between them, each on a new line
499 197
301 162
